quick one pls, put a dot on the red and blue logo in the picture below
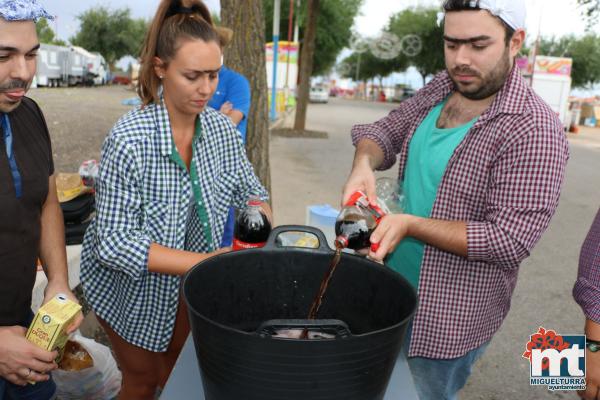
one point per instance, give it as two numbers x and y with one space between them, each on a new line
556 361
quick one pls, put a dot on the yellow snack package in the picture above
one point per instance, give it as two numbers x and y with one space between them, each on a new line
48 329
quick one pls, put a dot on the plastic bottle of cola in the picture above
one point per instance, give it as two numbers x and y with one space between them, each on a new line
356 222
252 227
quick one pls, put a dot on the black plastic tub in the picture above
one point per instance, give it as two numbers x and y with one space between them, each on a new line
231 296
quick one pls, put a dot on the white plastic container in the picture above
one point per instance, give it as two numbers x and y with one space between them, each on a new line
323 216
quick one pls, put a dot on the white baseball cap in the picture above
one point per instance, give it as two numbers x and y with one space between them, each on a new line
512 12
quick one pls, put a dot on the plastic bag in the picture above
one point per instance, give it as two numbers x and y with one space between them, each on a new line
99 382
88 170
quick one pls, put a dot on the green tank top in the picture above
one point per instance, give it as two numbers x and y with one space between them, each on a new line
429 151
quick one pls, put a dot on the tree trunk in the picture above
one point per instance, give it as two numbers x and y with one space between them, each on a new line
246 55
306 55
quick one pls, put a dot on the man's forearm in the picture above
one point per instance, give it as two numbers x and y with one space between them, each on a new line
52 242
450 236
367 151
236 116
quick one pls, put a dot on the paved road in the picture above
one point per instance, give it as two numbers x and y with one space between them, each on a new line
312 171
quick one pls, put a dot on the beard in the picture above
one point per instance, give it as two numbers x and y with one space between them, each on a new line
490 84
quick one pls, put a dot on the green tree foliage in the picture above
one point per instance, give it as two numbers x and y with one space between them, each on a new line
586 61
334 24
46 34
113 34
590 10
421 22
556 47
584 51
370 67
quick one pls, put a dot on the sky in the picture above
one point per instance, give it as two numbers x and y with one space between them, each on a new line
557 17
548 17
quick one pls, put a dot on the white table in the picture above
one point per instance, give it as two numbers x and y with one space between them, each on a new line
185 382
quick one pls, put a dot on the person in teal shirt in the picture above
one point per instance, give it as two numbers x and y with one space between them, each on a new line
481 159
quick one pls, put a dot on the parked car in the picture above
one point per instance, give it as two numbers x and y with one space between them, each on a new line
121 80
401 94
318 94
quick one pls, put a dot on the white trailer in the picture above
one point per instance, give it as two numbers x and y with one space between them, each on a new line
50 65
100 69
70 66
552 82
554 89
94 67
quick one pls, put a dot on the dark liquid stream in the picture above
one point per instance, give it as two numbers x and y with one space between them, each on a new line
316 304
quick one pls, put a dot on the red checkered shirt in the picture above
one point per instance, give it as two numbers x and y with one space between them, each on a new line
587 287
504 180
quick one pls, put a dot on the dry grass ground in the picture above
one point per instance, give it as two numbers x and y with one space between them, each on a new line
79 119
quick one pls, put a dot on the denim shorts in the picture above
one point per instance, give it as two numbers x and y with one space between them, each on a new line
40 391
440 379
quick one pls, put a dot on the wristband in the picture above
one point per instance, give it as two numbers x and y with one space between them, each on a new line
592 345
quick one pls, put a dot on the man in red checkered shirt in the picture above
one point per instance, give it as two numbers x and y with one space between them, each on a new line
587 294
482 160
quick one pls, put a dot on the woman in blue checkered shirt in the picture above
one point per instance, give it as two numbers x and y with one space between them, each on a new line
169 172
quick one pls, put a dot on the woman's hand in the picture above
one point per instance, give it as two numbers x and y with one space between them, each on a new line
266 208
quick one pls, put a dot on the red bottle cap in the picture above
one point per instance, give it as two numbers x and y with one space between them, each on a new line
341 242
355 198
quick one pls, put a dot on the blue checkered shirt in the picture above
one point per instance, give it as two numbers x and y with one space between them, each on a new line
143 196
